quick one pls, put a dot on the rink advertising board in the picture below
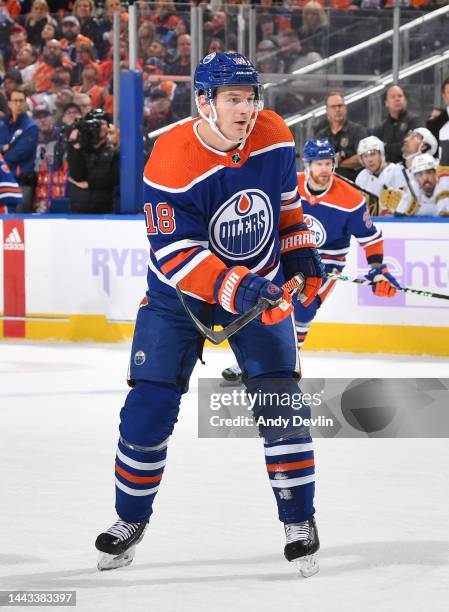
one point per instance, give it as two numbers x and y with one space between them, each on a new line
82 278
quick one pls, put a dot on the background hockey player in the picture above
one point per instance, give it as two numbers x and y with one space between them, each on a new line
334 211
10 194
431 190
378 176
225 224
418 141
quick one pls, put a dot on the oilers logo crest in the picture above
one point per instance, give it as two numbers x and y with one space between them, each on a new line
242 226
317 228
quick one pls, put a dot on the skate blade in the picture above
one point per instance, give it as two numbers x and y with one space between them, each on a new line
307 566
110 562
231 383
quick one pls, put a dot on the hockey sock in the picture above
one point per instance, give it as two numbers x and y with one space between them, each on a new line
291 469
138 472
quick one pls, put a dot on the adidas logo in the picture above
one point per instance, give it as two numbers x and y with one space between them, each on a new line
14 242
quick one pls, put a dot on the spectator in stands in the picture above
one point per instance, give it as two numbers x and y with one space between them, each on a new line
84 10
85 54
94 168
180 29
314 31
216 27
292 54
146 35
165 19
215 46
53 58
84 102
27 62
12 80
397 124
63 98
181 64
71 37
17 39
159 50
367 4
36 20
439 125
48 135
90 77
343 134
3 105
49 32
71 114
267 26
59 81
267 59
161 112
152 69
105 23
18 142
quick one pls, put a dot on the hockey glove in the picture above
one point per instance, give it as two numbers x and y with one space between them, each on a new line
385 283
237 290
299 255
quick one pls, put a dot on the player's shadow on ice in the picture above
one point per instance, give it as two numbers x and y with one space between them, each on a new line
334 561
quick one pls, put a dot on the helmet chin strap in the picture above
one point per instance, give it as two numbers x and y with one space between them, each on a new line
212 120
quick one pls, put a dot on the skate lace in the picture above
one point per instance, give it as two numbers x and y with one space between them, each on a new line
297 531
123 530
235 369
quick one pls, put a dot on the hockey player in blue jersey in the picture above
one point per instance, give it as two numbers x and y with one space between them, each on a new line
10 194
334 211
225 224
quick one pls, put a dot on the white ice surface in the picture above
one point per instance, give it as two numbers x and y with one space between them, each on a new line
214 542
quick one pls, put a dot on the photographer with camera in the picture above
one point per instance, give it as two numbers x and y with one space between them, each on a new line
93 159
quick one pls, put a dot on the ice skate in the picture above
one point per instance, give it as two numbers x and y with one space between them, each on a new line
117 545
302 545
233 374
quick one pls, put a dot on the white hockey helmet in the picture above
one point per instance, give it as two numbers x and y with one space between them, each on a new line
428 138
424 161
371 143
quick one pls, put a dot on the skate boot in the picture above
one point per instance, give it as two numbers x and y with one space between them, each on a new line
233 374
117 545
302 545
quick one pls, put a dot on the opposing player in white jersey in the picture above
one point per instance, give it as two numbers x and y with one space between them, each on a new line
418 141
431 190
378 176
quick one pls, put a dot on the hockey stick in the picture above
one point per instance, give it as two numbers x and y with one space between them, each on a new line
217 337
365 281
361 189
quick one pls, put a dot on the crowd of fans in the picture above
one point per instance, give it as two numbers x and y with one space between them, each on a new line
56 69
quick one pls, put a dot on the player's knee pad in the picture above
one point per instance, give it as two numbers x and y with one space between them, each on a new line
305 314
277 406
150 413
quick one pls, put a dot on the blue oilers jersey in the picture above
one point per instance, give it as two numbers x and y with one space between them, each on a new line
10 194
334 216
208 210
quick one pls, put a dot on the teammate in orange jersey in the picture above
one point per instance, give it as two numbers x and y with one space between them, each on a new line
225 225
334 211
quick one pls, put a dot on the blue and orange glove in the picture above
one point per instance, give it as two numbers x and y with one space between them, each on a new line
299 256
385 284
237 290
